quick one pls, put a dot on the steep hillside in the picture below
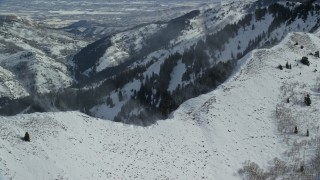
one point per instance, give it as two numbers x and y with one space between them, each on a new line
33 59
248 118
252 117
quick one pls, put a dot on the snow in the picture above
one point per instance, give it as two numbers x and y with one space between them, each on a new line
208 137
240 113
176 76
72 145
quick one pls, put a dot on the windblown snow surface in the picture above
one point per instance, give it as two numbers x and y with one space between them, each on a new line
208 137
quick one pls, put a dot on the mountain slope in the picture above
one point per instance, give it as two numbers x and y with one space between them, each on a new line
208 137
68 146
33 58
202 60
242 113
143 74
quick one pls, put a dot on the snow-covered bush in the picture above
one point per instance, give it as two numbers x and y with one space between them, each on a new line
305 61
279 168
252 171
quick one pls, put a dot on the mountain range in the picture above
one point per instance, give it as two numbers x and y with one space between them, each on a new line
226 92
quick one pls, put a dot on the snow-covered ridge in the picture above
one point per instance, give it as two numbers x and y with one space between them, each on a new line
208 137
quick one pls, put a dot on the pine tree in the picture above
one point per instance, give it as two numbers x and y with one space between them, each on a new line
26 137
287 65
307 100
110 102
120 96
316 54
296 130
301 168
307 132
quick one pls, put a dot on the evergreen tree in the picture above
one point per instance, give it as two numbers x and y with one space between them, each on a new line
307 100
307 132
316 54
110 102
26 137
120 96
296 130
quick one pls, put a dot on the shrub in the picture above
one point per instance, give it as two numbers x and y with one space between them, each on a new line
251 170
305 61
280 67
